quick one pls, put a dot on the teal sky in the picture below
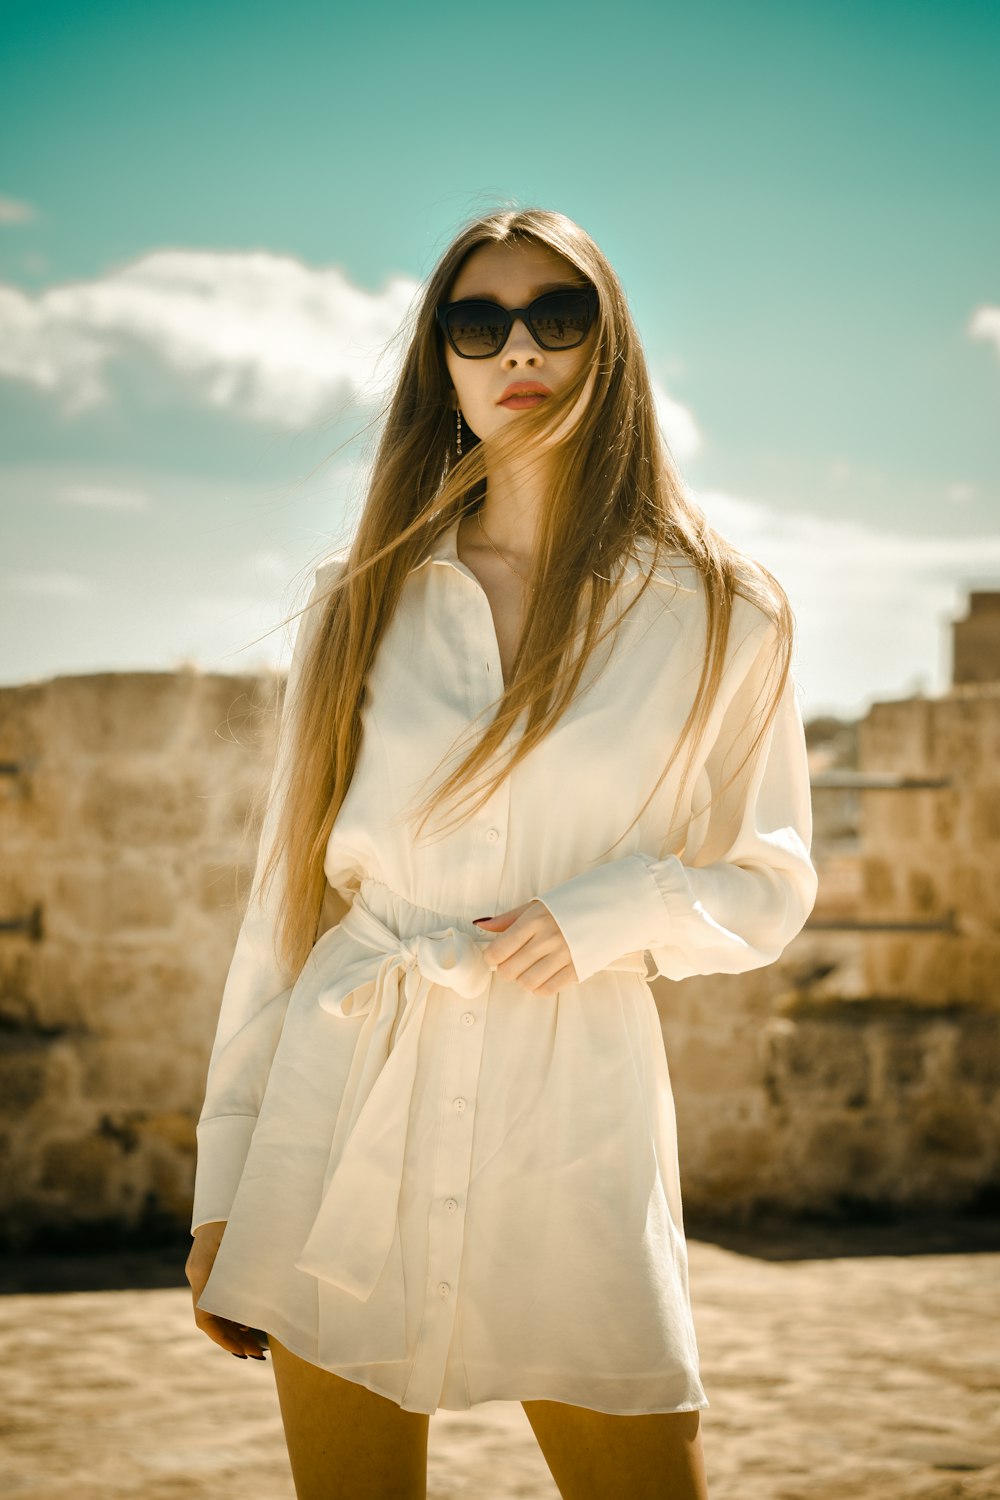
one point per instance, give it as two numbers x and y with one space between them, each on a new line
212 218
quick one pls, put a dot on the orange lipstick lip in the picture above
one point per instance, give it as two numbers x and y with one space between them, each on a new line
529 398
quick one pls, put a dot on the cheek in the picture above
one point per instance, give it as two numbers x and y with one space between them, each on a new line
473 389
575 412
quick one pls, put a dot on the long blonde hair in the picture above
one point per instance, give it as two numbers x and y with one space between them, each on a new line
613 487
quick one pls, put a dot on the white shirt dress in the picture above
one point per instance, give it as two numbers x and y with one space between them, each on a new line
437 1184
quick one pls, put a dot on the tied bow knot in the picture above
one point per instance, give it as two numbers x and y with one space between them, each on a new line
387 987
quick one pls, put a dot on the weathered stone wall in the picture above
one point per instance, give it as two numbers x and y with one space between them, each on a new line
934 853
859 1068
124 803
864 1067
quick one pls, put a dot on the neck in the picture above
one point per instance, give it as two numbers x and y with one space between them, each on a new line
511 512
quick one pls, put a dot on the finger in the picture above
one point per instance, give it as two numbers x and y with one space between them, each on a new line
248 1339
253 1340
496 924
228 1335
541 978
512 942
560 980
533 961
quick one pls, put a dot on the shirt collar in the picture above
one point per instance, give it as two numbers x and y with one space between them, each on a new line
443 549
674 568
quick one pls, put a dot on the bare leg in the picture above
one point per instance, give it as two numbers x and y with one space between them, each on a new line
345 1440
593 1454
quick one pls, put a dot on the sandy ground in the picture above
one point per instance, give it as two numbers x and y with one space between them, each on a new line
839 1365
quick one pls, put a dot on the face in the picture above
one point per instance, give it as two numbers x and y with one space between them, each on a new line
514 275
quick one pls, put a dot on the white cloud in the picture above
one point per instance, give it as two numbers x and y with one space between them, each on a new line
261 335
985 324
873 608
104 497
258 334
678 425
270 566
16 211
51 585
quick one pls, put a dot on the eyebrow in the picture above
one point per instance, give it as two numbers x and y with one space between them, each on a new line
538 291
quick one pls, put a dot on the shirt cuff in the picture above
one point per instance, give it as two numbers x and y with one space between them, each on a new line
607 912
223 1144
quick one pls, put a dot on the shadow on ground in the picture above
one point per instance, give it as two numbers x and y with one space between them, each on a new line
104 1263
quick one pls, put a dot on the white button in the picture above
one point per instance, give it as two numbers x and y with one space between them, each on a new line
492 835
444 1288
451 1205
459 1104
468 1019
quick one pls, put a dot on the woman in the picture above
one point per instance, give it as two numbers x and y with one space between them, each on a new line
438 1128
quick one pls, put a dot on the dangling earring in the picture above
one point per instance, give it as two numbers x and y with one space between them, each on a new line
458 431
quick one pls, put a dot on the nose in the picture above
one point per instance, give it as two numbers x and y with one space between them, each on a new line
520 348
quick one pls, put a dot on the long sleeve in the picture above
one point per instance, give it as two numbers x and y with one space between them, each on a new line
747 883
255 995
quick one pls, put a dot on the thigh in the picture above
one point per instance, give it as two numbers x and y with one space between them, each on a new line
593 1454
344 1439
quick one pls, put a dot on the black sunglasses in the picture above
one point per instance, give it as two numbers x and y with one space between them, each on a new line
477 329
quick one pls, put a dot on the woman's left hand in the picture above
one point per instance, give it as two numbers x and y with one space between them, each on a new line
530 950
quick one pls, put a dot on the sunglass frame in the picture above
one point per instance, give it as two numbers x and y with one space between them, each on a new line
511 313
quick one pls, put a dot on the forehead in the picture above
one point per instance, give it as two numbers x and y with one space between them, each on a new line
520 269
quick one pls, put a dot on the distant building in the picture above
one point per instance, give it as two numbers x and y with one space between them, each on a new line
976 640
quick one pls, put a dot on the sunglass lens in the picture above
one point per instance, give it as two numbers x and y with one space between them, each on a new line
476 329
560 320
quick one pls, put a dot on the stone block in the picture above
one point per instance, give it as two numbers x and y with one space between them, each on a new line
897 736
173 1127
977 1054
79 1169
959 741
219 889
951 1128
240 713
125 1074
902 818
22 721
126 803
113 897
169 1182
123 993
981 955
985 811
824 1060
23 1077
40 809
879 892
737 1162
898 1053
709 1065
922 898
944 816
236 811
116 712
841 1155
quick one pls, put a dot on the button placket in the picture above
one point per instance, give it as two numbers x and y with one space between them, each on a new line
450 1196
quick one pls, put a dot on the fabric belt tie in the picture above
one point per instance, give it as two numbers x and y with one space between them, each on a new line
352 1234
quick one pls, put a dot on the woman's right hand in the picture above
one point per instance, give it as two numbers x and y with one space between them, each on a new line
236 1337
